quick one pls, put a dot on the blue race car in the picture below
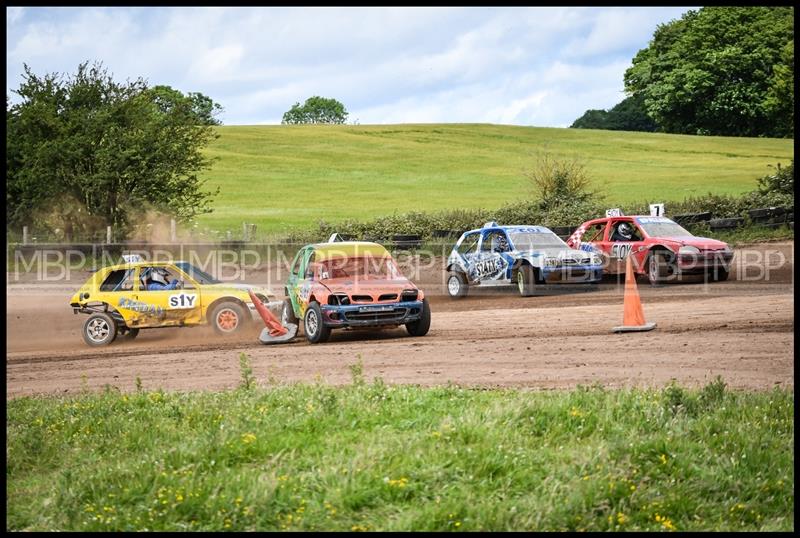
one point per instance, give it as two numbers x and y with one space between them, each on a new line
521 255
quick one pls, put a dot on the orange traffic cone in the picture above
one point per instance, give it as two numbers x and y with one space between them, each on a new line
275 332
633 315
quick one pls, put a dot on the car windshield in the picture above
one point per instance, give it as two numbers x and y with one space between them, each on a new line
201 277
359 267
533 240
663 228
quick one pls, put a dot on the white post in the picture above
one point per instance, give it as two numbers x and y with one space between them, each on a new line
228 235
24 235
172 232
244 230
108 235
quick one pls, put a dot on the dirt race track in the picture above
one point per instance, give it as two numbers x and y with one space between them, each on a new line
742 329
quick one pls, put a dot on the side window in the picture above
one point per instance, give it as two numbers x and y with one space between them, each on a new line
296 263
594 233
495 242
119 280
469 244
616 234
160 275
310 266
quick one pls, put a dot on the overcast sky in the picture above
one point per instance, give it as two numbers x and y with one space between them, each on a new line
521 66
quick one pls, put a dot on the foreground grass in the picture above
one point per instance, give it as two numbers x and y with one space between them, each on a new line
378 457
290 177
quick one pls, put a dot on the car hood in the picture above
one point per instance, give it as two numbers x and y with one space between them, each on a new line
703 243
223 286
367 286
560 253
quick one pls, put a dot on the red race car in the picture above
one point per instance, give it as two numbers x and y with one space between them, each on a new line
661 248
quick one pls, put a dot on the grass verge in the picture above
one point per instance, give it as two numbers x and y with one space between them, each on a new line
372 456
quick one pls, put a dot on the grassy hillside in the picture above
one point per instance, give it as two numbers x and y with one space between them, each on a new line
283 177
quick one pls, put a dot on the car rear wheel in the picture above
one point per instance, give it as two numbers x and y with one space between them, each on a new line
423 324
99 330
227 317
457 286
526 281
128 334
315 330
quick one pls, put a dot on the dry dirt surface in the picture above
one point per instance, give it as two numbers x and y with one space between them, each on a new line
742 330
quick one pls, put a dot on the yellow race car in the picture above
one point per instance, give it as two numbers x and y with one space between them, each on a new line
121 299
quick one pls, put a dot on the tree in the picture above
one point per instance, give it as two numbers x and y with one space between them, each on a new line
710 72
316 110
628 115
780 98
200 106
92 152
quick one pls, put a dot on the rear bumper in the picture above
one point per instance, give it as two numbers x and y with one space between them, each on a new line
371 315
574 274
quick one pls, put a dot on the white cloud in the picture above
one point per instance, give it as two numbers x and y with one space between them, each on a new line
541 66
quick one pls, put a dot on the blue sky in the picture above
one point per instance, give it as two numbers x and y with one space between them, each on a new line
520 66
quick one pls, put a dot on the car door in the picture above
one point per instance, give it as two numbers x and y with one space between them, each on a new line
620 249
158 308
490 264
596 236
297 286
467 250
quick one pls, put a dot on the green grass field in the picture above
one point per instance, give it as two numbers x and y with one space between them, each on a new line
289 177
371 456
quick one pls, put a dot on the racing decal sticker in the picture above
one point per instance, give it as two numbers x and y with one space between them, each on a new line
143 308
621 250
183 300
488 267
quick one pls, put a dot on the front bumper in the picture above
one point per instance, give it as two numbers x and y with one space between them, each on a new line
705 261
371 315
572 273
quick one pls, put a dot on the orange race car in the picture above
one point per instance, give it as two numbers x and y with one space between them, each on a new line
351 284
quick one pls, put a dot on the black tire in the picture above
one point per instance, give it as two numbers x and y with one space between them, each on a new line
659 266
287 313
423 324
128 334
315 330
719 274
228 318
99 330
526 281
457 285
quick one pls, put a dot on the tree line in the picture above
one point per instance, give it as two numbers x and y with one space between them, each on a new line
724 71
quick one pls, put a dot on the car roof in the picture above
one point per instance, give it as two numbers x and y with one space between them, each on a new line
133 265
349 249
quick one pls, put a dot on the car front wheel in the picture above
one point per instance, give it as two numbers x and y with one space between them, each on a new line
526 281
227 318
315 330
423 324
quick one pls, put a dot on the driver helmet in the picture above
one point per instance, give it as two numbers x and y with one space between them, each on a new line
158 275
625 230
